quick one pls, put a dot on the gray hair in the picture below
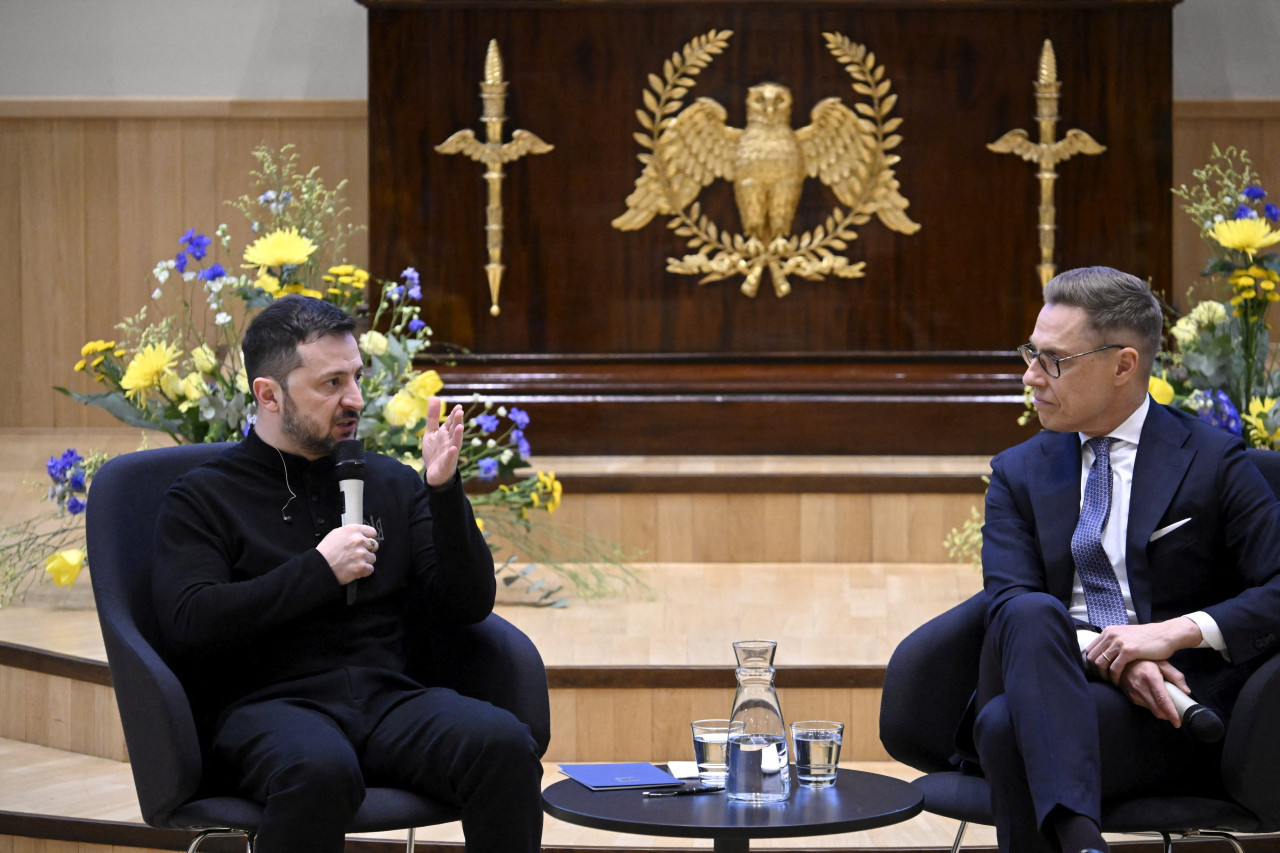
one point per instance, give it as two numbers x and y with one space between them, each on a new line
1118 304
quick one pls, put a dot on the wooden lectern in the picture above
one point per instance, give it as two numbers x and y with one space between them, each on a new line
611 353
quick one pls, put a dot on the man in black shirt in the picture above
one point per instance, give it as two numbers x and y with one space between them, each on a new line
302 698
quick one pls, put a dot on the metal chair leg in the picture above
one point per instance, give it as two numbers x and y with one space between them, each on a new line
220 833
955 848
408 848
1225 836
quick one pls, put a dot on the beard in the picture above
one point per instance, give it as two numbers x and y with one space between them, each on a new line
309 436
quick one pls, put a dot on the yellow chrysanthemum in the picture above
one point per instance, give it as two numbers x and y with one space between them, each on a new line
96 346
1161 390
279 248
80 365
1255 419
1245 235
65 566
148 369
480 524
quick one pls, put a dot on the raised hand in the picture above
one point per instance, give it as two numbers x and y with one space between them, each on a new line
441 446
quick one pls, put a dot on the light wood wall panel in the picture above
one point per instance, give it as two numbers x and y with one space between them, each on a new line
61 713
1197 126
653 725
767 528
94 192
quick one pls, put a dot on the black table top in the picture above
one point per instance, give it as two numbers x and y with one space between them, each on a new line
856 802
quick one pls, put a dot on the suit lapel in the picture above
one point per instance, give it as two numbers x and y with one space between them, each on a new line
1158 469
1057 508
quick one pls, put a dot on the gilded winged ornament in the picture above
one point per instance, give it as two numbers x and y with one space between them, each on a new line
767 162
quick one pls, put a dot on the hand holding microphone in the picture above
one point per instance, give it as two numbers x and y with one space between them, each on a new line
1202 722
349 464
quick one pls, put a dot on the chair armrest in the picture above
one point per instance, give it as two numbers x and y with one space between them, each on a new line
927 686
1251 750
491 660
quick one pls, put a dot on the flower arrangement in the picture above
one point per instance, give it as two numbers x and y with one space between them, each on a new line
180 372
53 540
1221 366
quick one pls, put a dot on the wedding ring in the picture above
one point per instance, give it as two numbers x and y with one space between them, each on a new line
1106 657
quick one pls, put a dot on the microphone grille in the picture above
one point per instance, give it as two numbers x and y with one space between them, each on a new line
350 451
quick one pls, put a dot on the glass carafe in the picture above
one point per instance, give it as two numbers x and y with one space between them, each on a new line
759 771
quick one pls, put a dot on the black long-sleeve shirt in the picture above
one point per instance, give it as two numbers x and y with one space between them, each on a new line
245 600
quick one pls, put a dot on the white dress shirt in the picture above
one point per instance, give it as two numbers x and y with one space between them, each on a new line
1124 450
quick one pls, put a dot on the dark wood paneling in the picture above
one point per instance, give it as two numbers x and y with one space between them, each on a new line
575 287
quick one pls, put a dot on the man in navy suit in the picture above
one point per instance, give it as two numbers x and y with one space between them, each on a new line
1190 545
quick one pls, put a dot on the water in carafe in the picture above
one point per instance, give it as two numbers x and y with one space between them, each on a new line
758 767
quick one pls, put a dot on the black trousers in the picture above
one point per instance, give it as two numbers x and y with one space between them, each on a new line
306 749
1049 737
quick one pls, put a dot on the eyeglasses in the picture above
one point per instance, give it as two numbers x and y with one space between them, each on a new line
1052 364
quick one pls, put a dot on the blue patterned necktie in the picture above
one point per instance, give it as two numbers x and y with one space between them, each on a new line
1102 594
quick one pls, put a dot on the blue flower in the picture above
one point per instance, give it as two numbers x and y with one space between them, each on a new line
519 417
415 292
487 423
521 443
416 325
410 275
59 466
394 292
197 244
1271 212
1221 412
267 197
180 262
213 273
1244 211
75 506
1255 193
488 468
76 482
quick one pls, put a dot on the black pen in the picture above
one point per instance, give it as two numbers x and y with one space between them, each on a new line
680 792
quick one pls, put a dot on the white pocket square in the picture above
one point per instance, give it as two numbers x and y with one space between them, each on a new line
1163 530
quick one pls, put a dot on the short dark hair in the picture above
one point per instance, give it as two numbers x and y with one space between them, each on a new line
270 344
1116 302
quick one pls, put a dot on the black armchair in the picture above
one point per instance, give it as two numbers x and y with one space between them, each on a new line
933 672
491 660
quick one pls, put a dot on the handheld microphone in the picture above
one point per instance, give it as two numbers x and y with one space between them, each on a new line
349 465
1202 723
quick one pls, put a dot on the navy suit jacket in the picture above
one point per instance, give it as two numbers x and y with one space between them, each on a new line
1225 560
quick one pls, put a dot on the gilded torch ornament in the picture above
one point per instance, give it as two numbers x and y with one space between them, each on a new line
1047 154
493 153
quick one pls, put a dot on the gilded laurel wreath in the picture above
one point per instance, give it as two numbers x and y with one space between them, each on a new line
767 162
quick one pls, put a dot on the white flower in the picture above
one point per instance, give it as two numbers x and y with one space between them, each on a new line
506 455
491 443
215 286
222 318
190 275
502 411
157 293
475 442
1218 217
161 272
373 343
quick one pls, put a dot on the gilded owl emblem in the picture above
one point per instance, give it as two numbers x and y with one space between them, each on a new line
767 162
684 149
